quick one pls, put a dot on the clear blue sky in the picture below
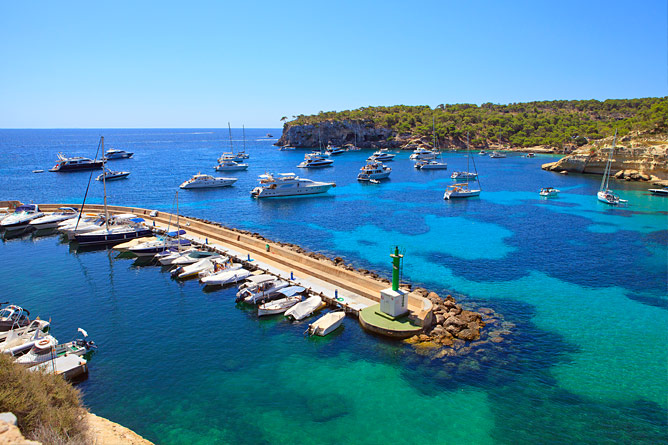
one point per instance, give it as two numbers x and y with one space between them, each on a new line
189 64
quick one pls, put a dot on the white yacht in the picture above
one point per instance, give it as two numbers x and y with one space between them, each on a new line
464 176
605 194
315 160
109 175
207 181
228 165
52 220
288 184
382 155
431 165
422 154
21 217
373 171
331 150
497 154
460 191
113 153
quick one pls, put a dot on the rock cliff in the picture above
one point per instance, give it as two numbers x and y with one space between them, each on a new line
338 133
641 159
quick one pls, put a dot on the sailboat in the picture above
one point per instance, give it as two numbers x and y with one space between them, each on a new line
462 190
433 164
605 194
230 156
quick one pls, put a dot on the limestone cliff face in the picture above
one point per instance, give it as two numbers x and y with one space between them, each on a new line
338 133
647 160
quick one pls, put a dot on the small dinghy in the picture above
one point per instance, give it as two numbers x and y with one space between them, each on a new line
302 310
228 276
326 324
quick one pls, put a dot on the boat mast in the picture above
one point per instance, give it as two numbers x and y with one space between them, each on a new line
178 225
104 185
468 156
606 173
243 129
230 130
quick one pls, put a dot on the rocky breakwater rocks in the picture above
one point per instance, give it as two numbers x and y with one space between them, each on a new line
338 133
457 331
647 162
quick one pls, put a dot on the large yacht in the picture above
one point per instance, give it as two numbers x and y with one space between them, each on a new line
21 217
315 160
288 184
422 154
229 165
382 155
373 171
114 153
207 181
497 154
332 150
75 163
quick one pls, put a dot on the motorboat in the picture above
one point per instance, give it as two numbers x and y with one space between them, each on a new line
16 343
422 154
119 233
278 306
185 257
288 184
78 225
326 324
660 192
68 366
334 150
460 191
109 175
262 292
207 181
49 349
227 276
605 194
52 220
12 317
459 176
151 248
431 165
482 153
286 148
37 328
123 247
269 135
21 217
315 160
255 280
65 164
530 155
114 153
228 165
374 171
382 155
307 307
191 270
497 154
549 192
230 156
222 264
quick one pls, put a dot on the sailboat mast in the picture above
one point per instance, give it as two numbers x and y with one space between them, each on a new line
178 224
468 156
606 173
104 186
243 129
230 130
433 129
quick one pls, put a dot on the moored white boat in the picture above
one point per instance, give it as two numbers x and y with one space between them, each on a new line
660 192
185 257
497 154
305 308
21 217
382 155
262 292
192 270
277 306
315 160
549 192
460 191
431 165
227 276
605 194
49 349
374 171
422 154
114 153
326 324
288 184
207 181
229 165
460 176
52 220
151 248
109 175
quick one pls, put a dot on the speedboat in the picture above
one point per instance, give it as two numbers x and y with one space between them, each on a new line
463 176
109 175
497 154
261 292
422 154
315 160
222 264
326 324
382 155
286 148
185 257
228 165
660 192
21 217
151 248
431 165
288 184
227 276
549 192
207 181
52 220
49 349
334 150
291 296
460 191
374 171
191 270
12 317
65 164
113 153
307 307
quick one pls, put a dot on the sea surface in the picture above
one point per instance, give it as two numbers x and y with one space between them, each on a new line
581 287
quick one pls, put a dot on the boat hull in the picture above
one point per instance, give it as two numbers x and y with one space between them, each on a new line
90 239
77 167
298 191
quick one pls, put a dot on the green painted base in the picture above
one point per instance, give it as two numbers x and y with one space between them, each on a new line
400 327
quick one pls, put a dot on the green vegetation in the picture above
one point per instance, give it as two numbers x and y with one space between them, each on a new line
48 408
553 123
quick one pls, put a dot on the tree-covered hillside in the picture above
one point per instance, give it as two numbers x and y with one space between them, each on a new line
553 123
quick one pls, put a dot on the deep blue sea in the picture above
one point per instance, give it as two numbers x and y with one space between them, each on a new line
581 286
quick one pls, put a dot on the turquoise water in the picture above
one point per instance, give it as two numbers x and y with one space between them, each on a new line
581 287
